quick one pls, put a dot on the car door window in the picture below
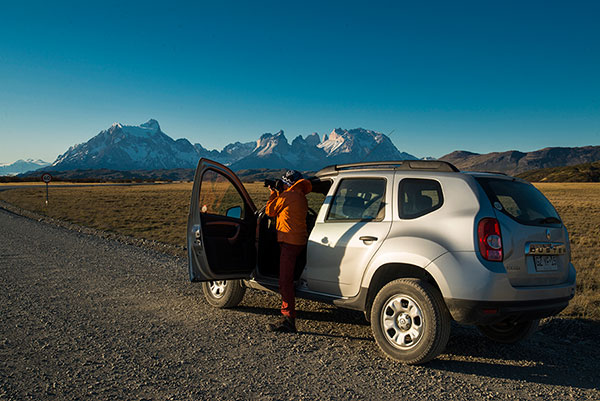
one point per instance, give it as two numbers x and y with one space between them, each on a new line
219 197
417 197
358 199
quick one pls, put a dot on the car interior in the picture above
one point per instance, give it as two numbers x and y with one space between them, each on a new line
268 248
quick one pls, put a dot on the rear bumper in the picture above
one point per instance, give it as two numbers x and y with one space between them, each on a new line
478 293
482 312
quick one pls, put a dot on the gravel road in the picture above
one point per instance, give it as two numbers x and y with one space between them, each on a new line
85 317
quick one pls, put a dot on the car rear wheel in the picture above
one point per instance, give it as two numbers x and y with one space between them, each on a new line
410 321
509 332
223 293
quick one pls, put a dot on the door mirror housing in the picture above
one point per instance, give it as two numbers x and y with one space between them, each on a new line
235 212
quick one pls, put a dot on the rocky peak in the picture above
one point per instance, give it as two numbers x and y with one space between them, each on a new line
299 141
313 139
151 124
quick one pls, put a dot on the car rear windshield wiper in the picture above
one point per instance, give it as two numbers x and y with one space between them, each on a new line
549 220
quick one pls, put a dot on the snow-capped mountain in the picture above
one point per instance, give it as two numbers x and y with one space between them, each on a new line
349 146
128 147
230 153
146 147
270 150
276 152
21 166
340 146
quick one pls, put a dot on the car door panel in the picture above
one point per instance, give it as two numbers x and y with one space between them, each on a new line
220 246
347 235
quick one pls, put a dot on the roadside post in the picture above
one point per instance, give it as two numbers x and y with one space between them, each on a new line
46 177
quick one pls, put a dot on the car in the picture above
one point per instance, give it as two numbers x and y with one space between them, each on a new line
412 244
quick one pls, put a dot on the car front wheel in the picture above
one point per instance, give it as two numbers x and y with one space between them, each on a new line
410 321
223 293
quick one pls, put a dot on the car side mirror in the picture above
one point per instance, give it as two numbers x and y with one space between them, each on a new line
235 212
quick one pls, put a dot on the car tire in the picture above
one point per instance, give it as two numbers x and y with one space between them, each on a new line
509 332
223 293
410 321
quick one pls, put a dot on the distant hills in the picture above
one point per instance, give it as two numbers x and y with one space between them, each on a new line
586 172
177 174
146 147
21 166
515 162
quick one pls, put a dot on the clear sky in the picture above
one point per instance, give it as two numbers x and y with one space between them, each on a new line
480 75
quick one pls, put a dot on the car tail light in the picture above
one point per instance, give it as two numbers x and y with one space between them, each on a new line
490 240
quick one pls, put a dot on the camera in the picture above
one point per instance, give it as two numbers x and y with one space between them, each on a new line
274 184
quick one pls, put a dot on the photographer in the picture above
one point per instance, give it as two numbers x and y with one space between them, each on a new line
289 206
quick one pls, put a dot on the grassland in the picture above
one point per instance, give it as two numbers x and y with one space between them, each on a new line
159 212
579 206
586 172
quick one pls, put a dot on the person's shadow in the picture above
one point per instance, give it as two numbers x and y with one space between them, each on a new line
332 315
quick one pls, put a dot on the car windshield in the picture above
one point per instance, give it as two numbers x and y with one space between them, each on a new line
520 200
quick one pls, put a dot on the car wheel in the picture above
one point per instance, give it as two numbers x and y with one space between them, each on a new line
410 321
509 332
223 293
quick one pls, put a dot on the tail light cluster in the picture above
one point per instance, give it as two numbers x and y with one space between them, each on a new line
490 240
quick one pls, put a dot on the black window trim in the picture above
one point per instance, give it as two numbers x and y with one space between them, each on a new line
337 186
425 212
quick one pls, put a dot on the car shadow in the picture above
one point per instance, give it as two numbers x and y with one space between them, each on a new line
562 352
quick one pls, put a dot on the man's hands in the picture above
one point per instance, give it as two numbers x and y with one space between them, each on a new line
275 185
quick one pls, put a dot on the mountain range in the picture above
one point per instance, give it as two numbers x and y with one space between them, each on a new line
146 147
21 166
514 162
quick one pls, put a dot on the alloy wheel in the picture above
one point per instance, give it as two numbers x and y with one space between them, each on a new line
402 321
217 288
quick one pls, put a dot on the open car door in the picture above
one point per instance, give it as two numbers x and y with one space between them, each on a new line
221 228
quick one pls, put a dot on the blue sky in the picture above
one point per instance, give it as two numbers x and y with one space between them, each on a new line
481 76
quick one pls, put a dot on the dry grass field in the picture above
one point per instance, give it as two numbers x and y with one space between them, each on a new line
159 212
579 206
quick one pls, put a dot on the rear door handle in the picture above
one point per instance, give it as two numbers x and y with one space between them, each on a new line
367 238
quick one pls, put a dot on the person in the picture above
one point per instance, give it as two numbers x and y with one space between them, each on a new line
289 206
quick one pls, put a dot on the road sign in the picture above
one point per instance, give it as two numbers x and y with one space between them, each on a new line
47 177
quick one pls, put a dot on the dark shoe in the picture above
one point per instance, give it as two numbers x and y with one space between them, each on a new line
284 325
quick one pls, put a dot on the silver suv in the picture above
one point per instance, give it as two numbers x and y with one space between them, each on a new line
412 244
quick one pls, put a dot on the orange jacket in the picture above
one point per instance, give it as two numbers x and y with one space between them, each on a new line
290 208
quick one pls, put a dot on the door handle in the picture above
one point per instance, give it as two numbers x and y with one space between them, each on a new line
367 238
233 240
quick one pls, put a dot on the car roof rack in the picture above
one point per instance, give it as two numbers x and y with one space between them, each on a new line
494 172
415 165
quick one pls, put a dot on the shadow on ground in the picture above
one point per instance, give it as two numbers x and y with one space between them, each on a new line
330 314
563 352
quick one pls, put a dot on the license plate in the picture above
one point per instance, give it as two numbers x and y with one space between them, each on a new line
544 263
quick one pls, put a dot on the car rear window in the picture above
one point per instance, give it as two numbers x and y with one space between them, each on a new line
418 197
521 201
